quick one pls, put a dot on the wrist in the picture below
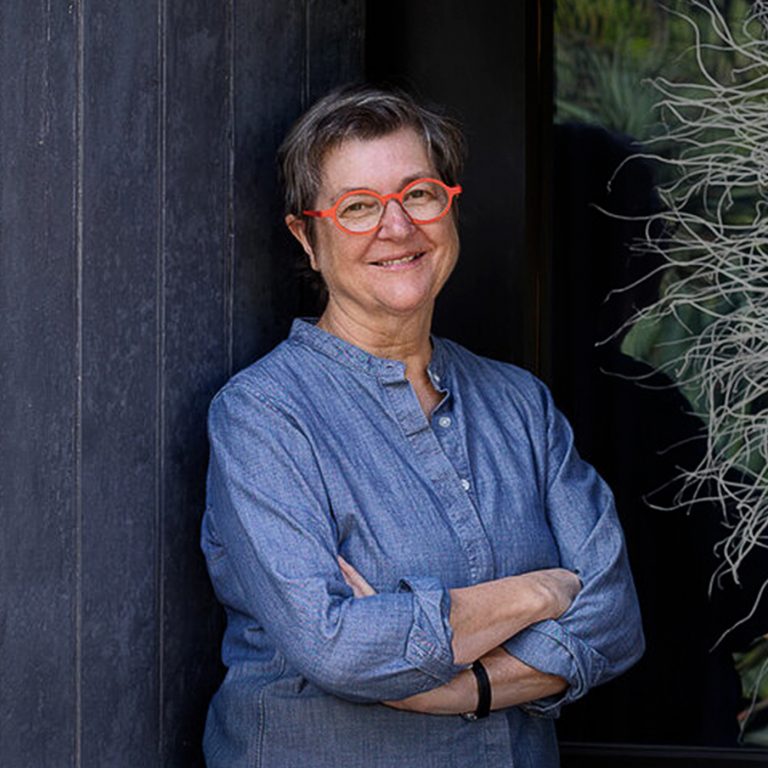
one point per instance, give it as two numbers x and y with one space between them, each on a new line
484 693
539 598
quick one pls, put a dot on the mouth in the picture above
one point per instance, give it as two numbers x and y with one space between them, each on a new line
400 261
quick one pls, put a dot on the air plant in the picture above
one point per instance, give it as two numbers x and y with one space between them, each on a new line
708 330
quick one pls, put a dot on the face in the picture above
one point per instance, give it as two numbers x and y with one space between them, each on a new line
397 270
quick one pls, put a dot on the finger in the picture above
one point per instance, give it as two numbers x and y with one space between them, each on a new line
356 582
359 585
349 580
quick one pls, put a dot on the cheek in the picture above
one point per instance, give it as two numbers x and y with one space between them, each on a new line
451 242
323 252
334 255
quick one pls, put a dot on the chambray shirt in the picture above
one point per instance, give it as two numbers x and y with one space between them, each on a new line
321 449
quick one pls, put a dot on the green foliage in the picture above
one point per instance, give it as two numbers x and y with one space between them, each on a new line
604 24
613 92
604 51
752 667
607 50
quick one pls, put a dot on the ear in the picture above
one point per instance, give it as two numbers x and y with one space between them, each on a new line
298 228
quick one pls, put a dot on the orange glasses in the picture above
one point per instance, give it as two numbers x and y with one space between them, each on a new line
360 211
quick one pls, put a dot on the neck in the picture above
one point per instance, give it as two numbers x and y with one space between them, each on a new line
396 338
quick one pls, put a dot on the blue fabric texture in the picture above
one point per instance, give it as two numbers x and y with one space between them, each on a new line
321 449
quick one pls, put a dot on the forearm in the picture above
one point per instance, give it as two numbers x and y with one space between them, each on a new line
512 683
481 618
485 615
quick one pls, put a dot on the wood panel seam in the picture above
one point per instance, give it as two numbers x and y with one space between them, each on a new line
229 218
79 137
160 310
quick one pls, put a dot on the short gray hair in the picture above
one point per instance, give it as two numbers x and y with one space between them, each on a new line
361 112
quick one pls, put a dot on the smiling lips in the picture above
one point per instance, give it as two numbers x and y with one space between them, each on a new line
400 261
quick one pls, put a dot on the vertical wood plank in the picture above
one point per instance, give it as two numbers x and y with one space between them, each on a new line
335 41
37 385
320 46
195 361
269 83
120 408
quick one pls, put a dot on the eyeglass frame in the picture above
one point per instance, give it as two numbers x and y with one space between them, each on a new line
384 199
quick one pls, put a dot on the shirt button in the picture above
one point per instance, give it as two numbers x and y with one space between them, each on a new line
436 377
465 483
444 421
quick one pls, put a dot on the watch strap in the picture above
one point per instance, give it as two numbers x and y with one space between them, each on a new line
483 693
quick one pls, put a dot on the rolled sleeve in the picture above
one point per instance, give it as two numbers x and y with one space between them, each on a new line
546 646
430 638
600 635
268 507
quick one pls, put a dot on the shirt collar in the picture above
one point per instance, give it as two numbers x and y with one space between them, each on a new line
305 331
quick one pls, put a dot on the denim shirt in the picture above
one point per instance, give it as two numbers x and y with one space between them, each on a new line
321 449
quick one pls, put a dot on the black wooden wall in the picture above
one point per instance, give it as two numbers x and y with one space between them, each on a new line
142 260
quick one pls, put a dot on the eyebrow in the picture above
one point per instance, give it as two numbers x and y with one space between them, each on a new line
403 183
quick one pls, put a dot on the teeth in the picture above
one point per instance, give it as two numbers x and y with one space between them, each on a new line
403 260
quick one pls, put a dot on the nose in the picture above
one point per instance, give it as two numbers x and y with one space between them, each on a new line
395 222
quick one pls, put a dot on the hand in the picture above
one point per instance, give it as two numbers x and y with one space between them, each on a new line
557 586
484 615
355 581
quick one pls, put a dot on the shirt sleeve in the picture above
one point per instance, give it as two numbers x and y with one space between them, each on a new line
268 503
601 634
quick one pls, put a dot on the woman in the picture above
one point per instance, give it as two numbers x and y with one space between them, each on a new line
401 532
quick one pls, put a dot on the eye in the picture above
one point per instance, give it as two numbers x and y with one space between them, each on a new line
357 207
420 194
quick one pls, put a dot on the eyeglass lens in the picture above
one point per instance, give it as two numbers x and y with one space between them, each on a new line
423 202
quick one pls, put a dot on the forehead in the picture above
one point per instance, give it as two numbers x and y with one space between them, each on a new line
382 163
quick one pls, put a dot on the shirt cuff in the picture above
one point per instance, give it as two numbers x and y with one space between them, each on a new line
546 646
429 644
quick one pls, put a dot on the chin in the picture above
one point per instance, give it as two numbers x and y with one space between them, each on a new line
404 305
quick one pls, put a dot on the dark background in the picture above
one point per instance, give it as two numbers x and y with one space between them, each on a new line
143 260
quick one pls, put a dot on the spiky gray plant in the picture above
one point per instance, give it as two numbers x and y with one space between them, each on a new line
709 329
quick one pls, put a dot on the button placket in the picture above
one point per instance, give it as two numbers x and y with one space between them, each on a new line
437 459
449 435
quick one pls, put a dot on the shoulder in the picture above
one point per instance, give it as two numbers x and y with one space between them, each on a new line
266 390
269 374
